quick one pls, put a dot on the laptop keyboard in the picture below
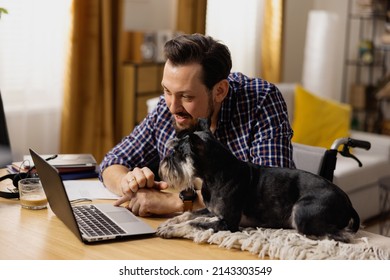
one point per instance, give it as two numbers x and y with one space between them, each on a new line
93 222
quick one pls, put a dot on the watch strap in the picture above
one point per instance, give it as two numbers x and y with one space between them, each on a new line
188 197
188 204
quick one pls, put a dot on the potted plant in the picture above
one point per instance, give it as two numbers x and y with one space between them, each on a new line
3 11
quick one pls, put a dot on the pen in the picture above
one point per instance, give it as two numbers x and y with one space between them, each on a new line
52 157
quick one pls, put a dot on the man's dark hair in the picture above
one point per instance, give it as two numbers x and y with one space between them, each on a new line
213 56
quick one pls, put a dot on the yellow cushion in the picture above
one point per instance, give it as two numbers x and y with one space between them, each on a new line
318 121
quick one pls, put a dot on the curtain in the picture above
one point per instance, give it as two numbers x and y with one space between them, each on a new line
88 117
191 16
271 41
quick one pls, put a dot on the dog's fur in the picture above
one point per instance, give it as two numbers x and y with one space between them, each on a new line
238 194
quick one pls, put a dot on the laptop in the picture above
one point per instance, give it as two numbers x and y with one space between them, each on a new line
105 221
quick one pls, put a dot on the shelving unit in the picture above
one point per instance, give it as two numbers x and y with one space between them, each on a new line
140 82
366 65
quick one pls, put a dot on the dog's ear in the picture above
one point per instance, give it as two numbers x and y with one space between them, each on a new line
181 133
195 140
203 124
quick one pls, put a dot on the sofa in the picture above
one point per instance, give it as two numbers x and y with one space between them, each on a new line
360 183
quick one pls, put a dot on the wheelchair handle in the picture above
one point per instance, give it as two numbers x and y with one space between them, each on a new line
350 142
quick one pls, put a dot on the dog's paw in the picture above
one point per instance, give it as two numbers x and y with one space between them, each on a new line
187 226
172 229
186 216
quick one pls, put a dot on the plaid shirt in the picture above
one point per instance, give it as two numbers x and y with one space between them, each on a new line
253 124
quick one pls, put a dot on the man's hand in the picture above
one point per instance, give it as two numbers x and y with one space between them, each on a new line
144 194
148 201
140 178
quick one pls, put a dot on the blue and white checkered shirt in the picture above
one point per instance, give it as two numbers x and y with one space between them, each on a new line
253 124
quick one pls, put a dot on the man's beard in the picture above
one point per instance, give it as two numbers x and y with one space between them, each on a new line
194 122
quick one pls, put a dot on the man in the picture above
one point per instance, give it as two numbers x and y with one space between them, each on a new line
247 115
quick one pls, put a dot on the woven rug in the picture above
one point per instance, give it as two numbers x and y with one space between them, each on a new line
290 245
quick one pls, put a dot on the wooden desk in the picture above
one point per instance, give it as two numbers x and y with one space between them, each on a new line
39 234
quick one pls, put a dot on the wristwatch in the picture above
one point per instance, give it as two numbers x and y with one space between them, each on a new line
188 197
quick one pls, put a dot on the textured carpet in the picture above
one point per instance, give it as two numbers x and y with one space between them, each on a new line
289 245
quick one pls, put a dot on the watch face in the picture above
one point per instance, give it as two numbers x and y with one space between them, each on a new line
188 195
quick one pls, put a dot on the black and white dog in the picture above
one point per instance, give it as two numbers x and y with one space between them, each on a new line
241 194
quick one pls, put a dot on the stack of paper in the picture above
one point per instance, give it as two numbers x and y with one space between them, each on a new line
87 189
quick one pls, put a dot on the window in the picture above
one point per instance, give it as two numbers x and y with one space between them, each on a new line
34 38
33 44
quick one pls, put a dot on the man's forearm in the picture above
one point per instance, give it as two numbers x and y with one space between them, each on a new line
112 177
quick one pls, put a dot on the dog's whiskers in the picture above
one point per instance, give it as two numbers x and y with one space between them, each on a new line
178 178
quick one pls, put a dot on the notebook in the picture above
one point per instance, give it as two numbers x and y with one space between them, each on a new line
66 163
114 222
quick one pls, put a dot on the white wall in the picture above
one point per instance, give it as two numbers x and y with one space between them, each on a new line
239 27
